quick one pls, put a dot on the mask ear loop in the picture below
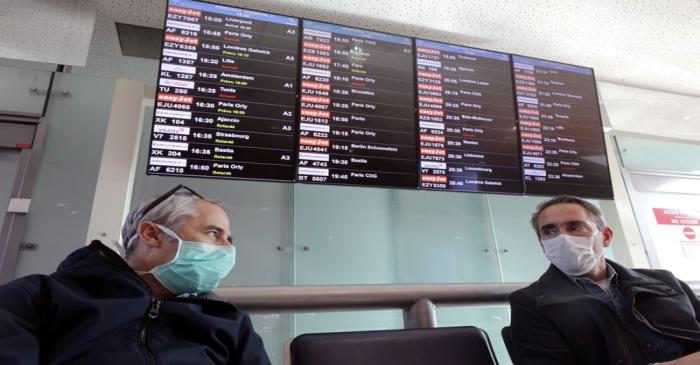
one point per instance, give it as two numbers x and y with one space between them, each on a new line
600 256
125 247
177 253
174 235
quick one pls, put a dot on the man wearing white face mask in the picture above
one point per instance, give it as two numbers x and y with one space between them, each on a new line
589 310
152 307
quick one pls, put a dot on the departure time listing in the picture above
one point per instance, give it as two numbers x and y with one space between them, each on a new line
356 114
561 136
466 119
226 96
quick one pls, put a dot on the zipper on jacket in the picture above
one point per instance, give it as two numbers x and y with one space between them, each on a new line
153 312
143 343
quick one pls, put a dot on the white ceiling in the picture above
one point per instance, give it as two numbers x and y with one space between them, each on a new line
66 41
647 43
636 111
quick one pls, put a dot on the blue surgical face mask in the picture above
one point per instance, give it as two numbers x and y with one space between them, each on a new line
197 267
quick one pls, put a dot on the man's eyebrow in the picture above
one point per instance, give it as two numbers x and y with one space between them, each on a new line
547 226
553 225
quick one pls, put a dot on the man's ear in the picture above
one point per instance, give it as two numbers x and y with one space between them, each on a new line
607 236
150 234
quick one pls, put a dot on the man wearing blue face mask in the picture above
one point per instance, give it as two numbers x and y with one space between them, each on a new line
152 307
589 310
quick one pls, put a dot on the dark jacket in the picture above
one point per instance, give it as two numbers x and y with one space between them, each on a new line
96 310
554 321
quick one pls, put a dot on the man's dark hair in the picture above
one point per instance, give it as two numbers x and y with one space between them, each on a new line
593 212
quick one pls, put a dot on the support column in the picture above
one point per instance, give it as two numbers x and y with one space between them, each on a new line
422 314
118 165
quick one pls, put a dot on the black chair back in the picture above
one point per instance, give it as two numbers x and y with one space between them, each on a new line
508 341
432 346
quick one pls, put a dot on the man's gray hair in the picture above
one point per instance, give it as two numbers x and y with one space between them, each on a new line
170 213
593 212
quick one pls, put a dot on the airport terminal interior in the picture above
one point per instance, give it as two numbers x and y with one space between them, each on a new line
371 153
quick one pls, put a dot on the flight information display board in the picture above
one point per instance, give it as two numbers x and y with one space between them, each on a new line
466 119
226 98
356 112
561 133
244 94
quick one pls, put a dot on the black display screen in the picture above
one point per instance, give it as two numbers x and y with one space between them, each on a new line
226 97
466 119
244 94
561 133
356 111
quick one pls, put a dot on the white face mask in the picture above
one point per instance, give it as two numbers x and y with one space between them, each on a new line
573 255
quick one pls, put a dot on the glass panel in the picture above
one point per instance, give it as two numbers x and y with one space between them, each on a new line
620 248
443 237
522 259
9 162
22 90
343 235
348 321
654 155
65 186
349 235
275 330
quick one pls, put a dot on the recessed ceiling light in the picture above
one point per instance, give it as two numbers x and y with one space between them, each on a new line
687 117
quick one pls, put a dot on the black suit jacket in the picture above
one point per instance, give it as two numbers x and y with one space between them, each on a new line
95 310
554 321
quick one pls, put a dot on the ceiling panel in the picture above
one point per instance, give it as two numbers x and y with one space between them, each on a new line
56 31
638 42
651 112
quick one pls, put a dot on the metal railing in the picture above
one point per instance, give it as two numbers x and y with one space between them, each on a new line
418 301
